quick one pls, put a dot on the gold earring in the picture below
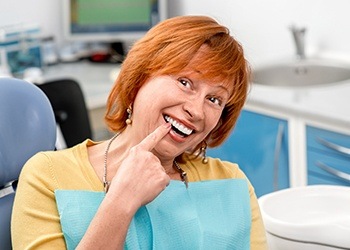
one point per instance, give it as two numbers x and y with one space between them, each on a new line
203 150
129 111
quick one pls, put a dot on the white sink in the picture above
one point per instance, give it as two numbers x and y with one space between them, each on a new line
310 217
299 73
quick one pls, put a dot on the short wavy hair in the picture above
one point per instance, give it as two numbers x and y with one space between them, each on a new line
168 48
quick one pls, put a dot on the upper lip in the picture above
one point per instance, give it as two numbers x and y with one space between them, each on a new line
186 124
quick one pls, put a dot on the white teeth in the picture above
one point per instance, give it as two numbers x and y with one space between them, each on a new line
179 126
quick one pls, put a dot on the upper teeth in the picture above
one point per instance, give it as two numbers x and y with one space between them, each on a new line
179 126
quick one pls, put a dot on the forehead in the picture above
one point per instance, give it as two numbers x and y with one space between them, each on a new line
204 67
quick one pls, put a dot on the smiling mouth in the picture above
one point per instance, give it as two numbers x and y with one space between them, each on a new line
178 127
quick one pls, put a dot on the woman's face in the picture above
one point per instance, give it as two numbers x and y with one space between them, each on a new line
190 103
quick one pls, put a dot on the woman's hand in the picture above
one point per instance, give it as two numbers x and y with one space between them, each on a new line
141 177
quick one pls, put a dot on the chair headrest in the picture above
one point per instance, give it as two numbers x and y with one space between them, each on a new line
27 126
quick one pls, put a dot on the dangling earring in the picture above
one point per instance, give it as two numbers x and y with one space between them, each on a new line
203 151
129 111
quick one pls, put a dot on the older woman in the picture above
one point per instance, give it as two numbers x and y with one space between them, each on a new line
151 186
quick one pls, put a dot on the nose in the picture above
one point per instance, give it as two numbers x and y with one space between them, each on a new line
194 107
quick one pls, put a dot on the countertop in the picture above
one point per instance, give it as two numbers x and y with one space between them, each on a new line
324 103
329 103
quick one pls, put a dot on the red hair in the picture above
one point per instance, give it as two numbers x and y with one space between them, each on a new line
167 49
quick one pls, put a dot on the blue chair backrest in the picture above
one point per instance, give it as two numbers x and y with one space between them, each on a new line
27 126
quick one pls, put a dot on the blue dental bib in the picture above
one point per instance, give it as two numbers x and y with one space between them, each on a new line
213 214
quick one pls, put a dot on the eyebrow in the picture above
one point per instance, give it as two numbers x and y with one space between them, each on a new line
197 71
224 88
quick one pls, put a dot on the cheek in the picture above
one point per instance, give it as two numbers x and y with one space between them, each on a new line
210 123
212 119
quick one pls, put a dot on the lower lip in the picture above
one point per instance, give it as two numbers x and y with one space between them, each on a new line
176 137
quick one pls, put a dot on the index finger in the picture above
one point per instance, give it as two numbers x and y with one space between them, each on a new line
153 138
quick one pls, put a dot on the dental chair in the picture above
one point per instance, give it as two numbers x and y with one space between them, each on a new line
27 126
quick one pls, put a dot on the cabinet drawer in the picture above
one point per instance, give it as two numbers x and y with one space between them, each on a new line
314 179
328 142
259 144
318 164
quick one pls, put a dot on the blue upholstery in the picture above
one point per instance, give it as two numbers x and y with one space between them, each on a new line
27 126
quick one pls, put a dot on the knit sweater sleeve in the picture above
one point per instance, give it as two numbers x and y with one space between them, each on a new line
35 208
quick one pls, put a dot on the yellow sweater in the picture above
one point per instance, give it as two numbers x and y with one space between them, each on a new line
35 219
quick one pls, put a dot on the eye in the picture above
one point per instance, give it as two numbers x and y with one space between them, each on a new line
215 100
185 82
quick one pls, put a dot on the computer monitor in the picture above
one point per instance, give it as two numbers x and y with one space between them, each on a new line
110 20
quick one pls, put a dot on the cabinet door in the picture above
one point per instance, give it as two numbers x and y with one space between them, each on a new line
328 157
259 144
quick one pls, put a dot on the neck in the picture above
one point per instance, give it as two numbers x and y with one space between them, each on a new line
168 166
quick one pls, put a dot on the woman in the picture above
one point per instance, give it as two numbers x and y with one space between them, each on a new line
180 89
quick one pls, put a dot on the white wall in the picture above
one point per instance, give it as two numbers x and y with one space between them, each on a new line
260 25
46 13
